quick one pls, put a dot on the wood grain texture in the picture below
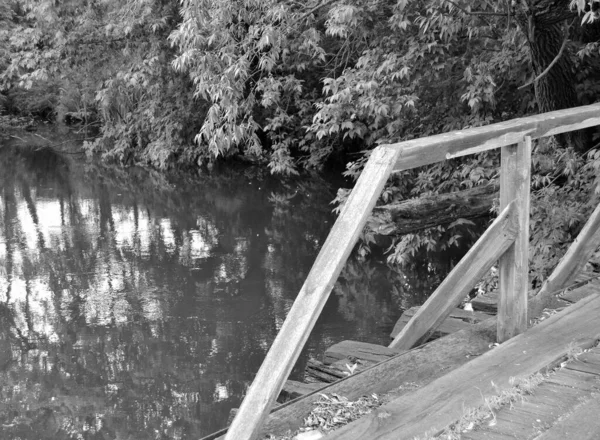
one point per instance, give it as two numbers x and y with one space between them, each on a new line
396 375
432 149
312 297
480 258
456 316
582 424
513 273
421 365
570 264
357 351
551 404
486 302
559 408
293 389
416 214
443 401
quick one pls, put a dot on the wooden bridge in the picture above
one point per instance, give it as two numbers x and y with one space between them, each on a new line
506 241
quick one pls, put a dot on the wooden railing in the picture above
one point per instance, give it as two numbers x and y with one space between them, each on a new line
506 239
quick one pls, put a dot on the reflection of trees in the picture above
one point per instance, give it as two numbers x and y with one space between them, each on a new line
135 305
131 303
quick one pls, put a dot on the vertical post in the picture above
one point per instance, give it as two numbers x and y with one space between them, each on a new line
515 177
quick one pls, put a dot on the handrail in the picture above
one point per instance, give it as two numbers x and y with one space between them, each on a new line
383 161
440 147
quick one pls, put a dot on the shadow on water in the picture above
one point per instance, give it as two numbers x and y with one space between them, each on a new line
136 306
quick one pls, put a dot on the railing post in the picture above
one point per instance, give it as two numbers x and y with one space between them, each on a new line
515 177
494 242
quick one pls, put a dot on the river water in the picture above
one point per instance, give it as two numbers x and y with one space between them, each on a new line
136 306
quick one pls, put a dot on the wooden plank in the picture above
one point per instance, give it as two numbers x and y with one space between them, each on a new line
587 275
440 403
397 375
293 389
558 395
513 266
483 435
584 367
592 356
317 370
356 351
575 295
449 325
432 149
570 264
488 302
582 424
575 379
480 258
516 427
312 297
457 314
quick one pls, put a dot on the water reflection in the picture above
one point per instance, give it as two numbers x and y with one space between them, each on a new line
132 306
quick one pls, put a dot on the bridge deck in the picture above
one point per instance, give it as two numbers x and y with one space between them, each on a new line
445 400
566 405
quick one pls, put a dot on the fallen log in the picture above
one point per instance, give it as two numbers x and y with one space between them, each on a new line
440 209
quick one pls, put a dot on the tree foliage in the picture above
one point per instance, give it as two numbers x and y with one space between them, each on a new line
279 82
291 85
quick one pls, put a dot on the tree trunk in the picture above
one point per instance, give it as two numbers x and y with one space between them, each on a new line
546 24
425 212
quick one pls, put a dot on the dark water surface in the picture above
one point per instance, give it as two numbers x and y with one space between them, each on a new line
138 307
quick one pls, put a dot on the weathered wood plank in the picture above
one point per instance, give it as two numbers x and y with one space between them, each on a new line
582 424
592 356
584 367
483 436
575 295
480 258
553 401
575 379
432 149
353 351
398 375
442 402
570 264
449 325
317 370
586 275
457 320
293 389
312 297
513 266
488 302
